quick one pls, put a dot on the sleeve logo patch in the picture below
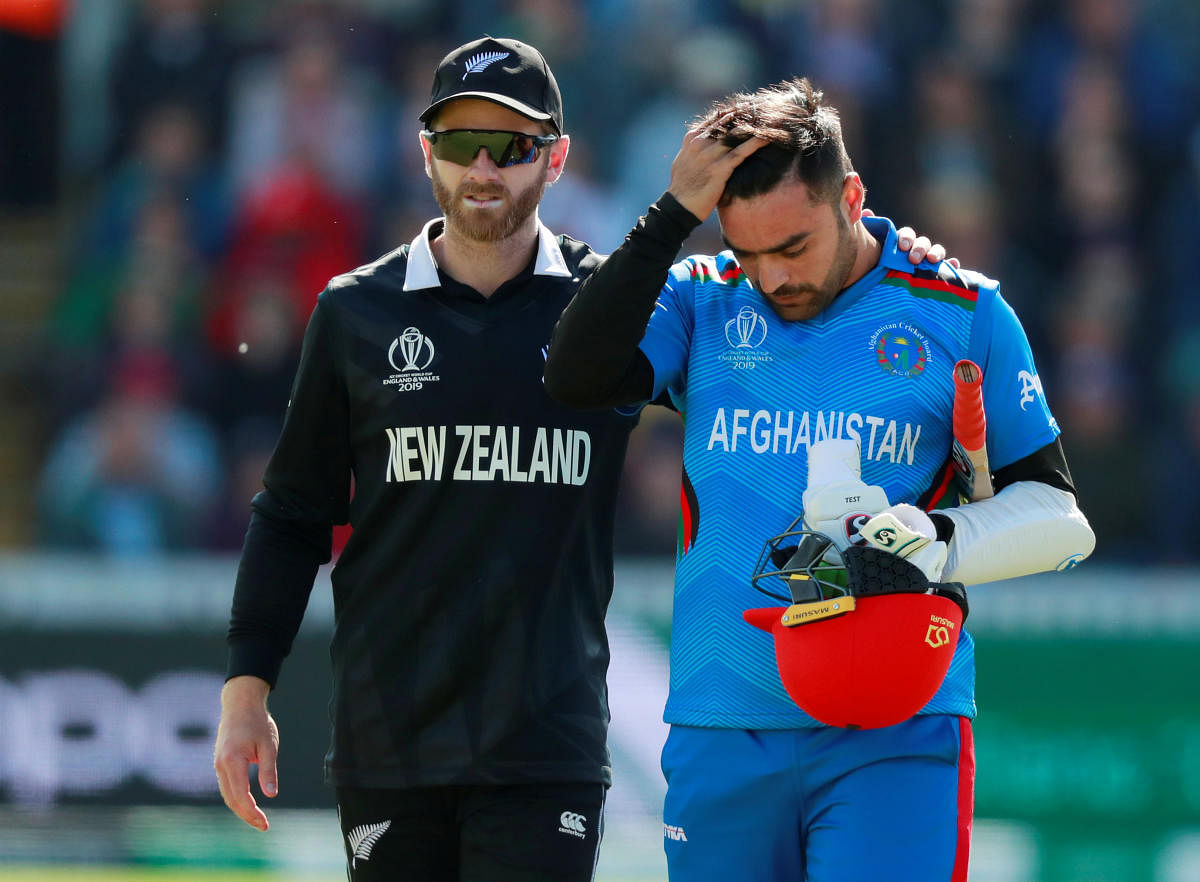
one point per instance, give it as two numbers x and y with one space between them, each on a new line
1031 385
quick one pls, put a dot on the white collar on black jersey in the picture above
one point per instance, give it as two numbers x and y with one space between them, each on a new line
422 268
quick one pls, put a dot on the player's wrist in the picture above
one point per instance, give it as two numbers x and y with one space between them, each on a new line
944 525
245 690
679 214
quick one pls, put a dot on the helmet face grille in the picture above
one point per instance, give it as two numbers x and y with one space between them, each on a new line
801 563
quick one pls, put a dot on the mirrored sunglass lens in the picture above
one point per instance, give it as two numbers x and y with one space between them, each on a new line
463 147
505 148
521 150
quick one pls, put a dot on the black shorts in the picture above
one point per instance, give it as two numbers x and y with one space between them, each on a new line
537 832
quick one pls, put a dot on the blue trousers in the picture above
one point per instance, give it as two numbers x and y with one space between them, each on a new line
820 805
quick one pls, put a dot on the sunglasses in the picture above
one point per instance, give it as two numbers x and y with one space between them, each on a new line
461 146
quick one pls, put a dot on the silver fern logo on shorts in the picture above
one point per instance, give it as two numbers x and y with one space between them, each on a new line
573 824
362 839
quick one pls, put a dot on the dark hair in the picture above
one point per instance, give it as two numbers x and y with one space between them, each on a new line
804 135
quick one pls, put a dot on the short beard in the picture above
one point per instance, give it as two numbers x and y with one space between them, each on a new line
843 259
839 270
481 226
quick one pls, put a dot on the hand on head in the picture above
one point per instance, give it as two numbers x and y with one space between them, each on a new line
702 168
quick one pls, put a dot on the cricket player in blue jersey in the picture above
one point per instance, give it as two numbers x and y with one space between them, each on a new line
811 327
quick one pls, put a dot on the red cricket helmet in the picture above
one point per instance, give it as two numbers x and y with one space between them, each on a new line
860 646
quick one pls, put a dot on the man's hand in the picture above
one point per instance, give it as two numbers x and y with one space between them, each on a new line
701 169
906 531
918 247
247 734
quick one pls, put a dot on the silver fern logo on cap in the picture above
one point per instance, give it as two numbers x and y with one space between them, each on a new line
479 62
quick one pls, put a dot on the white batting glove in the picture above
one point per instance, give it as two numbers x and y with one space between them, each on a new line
837 502
908 532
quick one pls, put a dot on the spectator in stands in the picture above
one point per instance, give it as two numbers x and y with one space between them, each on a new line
1095 381
305 105
176 51
247 448
1174 460
1100 185
167 160
1063 122
135 475
648 503
700 66
291 226
1175 454
1147 77
147 295
30 36
254 372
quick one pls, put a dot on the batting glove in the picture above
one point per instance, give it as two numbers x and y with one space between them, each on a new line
908 532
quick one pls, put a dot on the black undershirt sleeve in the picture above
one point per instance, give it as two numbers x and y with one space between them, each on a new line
1048 465
593 359
307 491
275 577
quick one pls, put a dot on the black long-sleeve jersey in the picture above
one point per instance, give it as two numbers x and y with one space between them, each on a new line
469 643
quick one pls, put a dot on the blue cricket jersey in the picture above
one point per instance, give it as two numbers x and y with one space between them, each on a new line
755 390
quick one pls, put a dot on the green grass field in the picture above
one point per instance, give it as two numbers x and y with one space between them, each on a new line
205 844
151 874
80 873
62 873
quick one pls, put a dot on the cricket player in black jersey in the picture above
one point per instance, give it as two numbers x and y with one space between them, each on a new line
469 654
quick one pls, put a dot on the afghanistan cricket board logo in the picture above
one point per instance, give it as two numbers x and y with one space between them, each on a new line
901 350
410 354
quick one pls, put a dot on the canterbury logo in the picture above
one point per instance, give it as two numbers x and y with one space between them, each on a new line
363 838
573 823
479 62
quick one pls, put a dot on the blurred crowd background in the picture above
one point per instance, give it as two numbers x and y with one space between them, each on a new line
179 178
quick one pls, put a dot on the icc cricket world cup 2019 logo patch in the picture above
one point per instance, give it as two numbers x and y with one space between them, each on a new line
410 354
747 330
901 350
745 333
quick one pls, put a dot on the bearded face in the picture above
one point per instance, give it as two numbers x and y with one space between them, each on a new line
797 251
487 211
804 300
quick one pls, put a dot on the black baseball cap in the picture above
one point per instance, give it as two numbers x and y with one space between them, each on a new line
508 72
